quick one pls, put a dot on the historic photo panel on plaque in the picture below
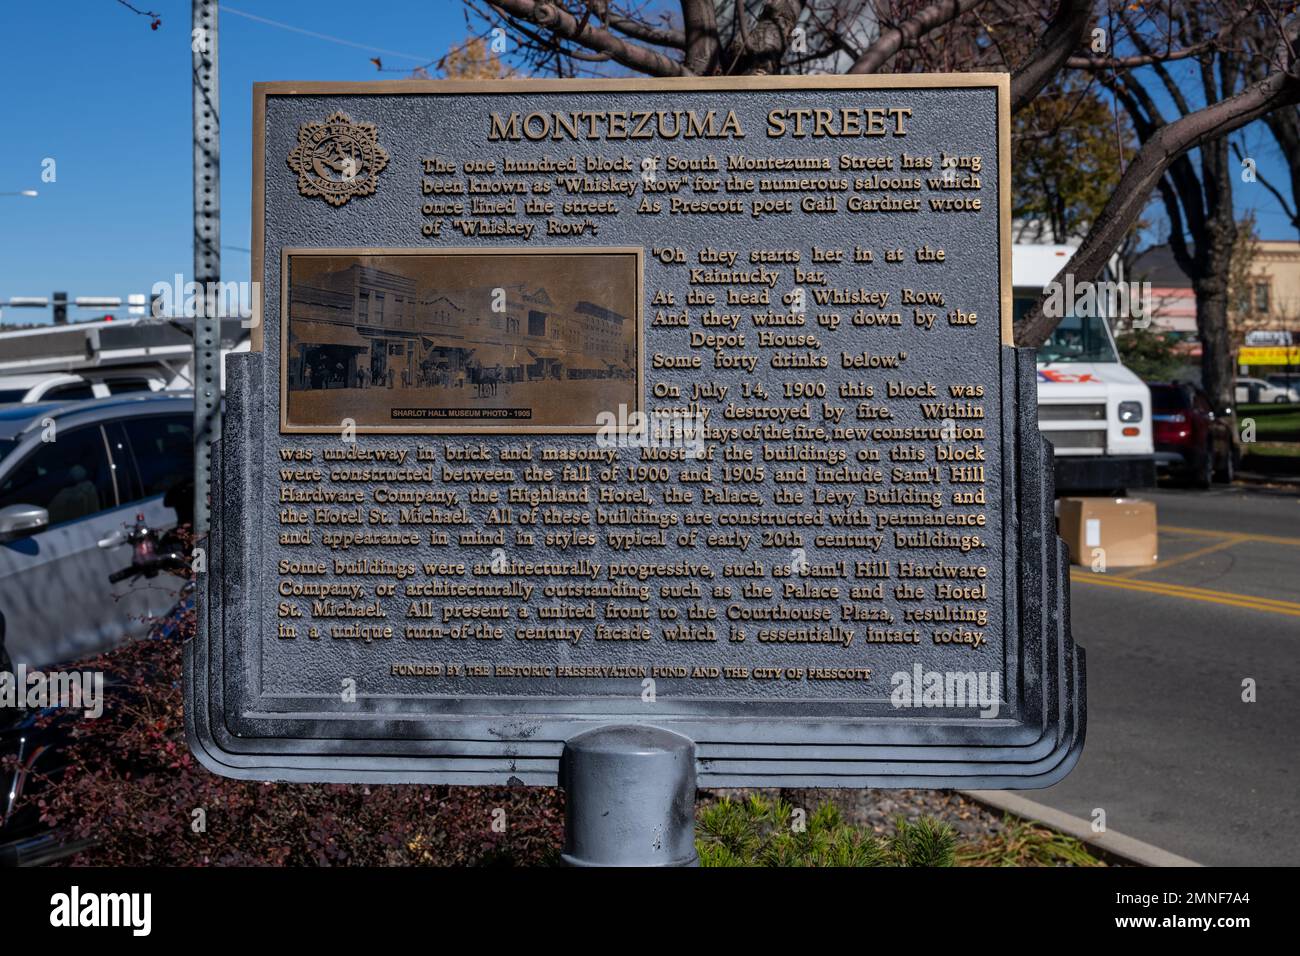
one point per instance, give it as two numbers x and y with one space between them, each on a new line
460 341
686 403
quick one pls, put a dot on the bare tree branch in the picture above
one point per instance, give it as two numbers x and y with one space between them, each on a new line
155 19
742 28
909 31
1282 201
639 29
1063 35
1148 120
1138 59
766 42
1145 172
1146 56
702 45
563 24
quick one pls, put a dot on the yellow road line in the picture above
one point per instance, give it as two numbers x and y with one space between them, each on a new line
1203 533
1213 597
1228 598
1252 598
1185 589
1199 552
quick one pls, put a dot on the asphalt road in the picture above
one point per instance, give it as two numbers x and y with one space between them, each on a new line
1173 754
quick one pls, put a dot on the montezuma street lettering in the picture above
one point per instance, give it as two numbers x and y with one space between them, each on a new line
797 122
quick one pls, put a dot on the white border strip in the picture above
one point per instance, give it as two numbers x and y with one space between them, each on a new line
1109 842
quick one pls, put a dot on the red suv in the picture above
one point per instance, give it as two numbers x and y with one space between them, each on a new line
1192 442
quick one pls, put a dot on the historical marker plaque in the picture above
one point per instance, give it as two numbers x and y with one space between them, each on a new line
686 403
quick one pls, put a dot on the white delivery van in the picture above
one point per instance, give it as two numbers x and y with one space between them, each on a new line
1094 411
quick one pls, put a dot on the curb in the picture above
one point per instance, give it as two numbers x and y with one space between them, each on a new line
1109 843
1262 478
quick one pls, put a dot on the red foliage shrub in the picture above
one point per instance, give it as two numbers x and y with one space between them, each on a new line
132 785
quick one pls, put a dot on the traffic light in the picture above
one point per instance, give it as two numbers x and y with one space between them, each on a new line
60 300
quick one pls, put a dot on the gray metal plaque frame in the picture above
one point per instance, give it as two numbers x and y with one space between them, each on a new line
245 719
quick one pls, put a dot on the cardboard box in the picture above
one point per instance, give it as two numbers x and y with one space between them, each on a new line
1121 532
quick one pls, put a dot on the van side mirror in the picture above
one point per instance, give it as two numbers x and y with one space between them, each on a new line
19 521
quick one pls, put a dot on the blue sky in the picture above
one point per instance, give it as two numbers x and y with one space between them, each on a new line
89 85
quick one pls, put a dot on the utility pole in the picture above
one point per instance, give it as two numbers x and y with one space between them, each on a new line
207 250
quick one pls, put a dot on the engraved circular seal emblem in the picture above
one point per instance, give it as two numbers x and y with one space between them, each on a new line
338 159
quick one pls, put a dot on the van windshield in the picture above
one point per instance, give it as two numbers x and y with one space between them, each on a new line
1075 339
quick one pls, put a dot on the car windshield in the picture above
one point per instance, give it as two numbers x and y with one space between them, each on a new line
1075 339
11 395
1168 398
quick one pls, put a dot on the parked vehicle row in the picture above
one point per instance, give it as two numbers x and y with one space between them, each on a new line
1193 442
70 386
1276 389
1093 409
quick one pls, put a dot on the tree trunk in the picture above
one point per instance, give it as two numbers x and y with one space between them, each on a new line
1214 252
1217 373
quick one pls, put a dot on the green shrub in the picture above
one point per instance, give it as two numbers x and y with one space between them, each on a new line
923 842
1152 355
758 832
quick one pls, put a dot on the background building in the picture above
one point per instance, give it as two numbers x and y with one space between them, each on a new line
1172 300
1266 328
1266 309
352 319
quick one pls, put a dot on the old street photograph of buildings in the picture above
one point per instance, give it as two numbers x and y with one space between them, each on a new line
459 341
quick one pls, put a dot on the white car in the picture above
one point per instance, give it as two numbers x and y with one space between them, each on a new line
67 386
1258 390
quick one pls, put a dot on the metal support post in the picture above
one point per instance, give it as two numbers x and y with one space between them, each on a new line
629 798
